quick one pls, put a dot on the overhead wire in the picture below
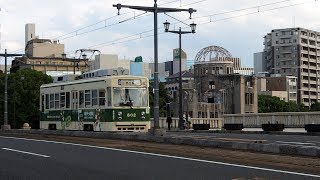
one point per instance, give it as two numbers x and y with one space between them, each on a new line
228 12
140 34
75 33
217 20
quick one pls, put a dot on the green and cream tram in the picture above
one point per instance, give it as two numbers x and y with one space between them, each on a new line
109 103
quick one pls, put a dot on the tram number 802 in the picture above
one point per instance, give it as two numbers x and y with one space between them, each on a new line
131 115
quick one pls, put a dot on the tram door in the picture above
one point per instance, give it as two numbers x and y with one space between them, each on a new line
74 107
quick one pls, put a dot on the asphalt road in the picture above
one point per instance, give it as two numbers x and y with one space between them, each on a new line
302 140
39 159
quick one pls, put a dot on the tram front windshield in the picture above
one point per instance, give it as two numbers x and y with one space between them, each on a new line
133 97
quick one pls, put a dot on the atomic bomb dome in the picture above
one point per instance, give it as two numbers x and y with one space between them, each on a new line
212 53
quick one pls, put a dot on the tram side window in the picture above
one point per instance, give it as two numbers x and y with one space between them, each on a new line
102 94
109 96
87 98
67 99
81 99
62 100
47 101
51 101
94 94
42 103
56 101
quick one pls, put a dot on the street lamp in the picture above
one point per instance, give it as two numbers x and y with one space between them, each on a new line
84 57
180 32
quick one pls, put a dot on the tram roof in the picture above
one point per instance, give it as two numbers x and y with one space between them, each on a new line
86 80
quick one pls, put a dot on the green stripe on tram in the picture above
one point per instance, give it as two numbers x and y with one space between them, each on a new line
91 115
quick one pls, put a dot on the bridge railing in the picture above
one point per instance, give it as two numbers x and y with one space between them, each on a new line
215 123
289 119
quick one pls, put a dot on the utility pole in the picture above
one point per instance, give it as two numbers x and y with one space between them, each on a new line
5 55
155 10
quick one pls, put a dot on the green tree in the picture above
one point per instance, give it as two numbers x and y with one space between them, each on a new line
268 104
315 106
164 98
23 96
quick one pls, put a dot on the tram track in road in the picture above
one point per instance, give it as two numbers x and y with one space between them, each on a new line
282 162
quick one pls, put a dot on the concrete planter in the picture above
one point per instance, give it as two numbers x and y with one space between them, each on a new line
233 127
201 126
312 127
273 127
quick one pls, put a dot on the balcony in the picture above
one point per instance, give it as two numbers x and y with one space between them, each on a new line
304 73
313 60
313 82
305 96
313 89
313 97
305 81
313 67
313 45
312 75
305 58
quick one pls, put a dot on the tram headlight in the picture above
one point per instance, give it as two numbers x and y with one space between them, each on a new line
120 115
142 115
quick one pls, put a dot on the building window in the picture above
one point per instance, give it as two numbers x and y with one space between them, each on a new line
211 85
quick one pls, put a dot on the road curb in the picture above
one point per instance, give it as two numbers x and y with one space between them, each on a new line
250 132
295 150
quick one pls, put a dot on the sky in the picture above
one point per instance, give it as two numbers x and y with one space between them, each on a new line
238 26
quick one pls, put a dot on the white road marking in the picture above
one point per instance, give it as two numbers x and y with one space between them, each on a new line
299 143
25 152
169 156
317 142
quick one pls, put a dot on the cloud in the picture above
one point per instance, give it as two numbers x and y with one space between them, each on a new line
242 36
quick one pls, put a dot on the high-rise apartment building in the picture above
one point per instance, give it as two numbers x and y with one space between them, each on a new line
295 52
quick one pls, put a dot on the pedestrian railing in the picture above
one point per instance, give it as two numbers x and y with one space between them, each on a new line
215 123
290 119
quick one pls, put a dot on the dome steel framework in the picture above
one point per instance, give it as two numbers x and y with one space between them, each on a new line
214 53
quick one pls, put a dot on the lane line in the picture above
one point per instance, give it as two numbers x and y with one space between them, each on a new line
25 152
169 156
317 142
299 143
